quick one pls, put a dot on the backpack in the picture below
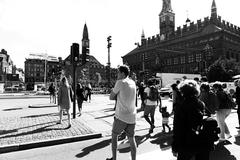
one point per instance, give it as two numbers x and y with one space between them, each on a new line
209 130
153 95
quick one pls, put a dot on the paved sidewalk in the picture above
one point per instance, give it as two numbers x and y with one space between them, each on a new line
18 133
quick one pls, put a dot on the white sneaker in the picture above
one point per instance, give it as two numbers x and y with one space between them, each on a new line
221 140
229 136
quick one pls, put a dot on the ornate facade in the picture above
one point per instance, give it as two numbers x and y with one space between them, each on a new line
188 49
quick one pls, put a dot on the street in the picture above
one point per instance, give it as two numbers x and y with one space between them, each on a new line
99 114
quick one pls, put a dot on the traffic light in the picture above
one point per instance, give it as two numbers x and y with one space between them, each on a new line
109 38
85 55
75 52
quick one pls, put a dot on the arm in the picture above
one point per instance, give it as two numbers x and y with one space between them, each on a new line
113 96
115 91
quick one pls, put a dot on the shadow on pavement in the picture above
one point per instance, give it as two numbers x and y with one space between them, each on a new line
139 140
40 115
2 132
108 110
12 109
110 115
89 149
221 153
38 130
163 139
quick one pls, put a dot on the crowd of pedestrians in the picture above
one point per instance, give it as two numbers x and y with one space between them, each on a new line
192 102
195 103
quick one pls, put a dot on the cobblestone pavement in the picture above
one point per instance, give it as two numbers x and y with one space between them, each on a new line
19 130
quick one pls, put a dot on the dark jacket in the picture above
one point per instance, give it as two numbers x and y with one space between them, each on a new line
80 94
223 99
187 119
237 95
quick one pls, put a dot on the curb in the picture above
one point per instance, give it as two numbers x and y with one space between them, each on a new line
44 143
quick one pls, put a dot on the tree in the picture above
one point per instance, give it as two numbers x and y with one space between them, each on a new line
220 70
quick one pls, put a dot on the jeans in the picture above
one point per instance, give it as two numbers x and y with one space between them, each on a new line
222 114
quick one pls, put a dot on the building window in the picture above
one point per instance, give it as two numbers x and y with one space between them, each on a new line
182 60
198 57
175 60
190 58
168 61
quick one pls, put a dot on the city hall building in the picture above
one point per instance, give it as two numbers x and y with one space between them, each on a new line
188 49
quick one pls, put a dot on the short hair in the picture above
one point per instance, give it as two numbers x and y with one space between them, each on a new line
217 85
124 69
196 79
189 88
150 83
204 79
205 86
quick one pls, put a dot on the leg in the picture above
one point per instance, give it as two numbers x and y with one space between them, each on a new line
69 118
118 128
169 128
152 114
60 115
227 113
220 120
163 125
146 114
114 145
133 147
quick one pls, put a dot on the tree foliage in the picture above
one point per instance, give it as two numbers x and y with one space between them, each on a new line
221 70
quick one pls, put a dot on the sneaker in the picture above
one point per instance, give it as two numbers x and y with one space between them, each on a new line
229 136
109 159
221 140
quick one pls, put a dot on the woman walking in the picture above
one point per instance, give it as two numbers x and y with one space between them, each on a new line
80 97
223 111
64 100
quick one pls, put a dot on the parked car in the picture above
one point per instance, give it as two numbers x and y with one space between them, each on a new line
166 91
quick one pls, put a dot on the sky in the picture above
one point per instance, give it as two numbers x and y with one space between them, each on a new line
51 26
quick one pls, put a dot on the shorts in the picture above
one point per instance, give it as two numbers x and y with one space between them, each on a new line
149 109
120 126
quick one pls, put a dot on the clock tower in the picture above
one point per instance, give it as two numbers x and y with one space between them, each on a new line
166 19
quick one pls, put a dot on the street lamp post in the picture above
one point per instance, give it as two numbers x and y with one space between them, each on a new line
109 38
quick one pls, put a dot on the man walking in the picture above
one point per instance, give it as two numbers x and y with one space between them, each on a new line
124 92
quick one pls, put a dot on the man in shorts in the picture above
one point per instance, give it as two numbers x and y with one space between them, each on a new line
124 92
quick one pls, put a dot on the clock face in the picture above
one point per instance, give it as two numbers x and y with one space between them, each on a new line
162 19
85 43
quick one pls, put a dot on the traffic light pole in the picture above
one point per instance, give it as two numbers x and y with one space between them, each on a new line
74 60
74 90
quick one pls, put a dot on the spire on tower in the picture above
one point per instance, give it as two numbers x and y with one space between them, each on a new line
143 35
85 32
213 10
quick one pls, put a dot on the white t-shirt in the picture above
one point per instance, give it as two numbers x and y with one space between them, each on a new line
126 97
147 101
